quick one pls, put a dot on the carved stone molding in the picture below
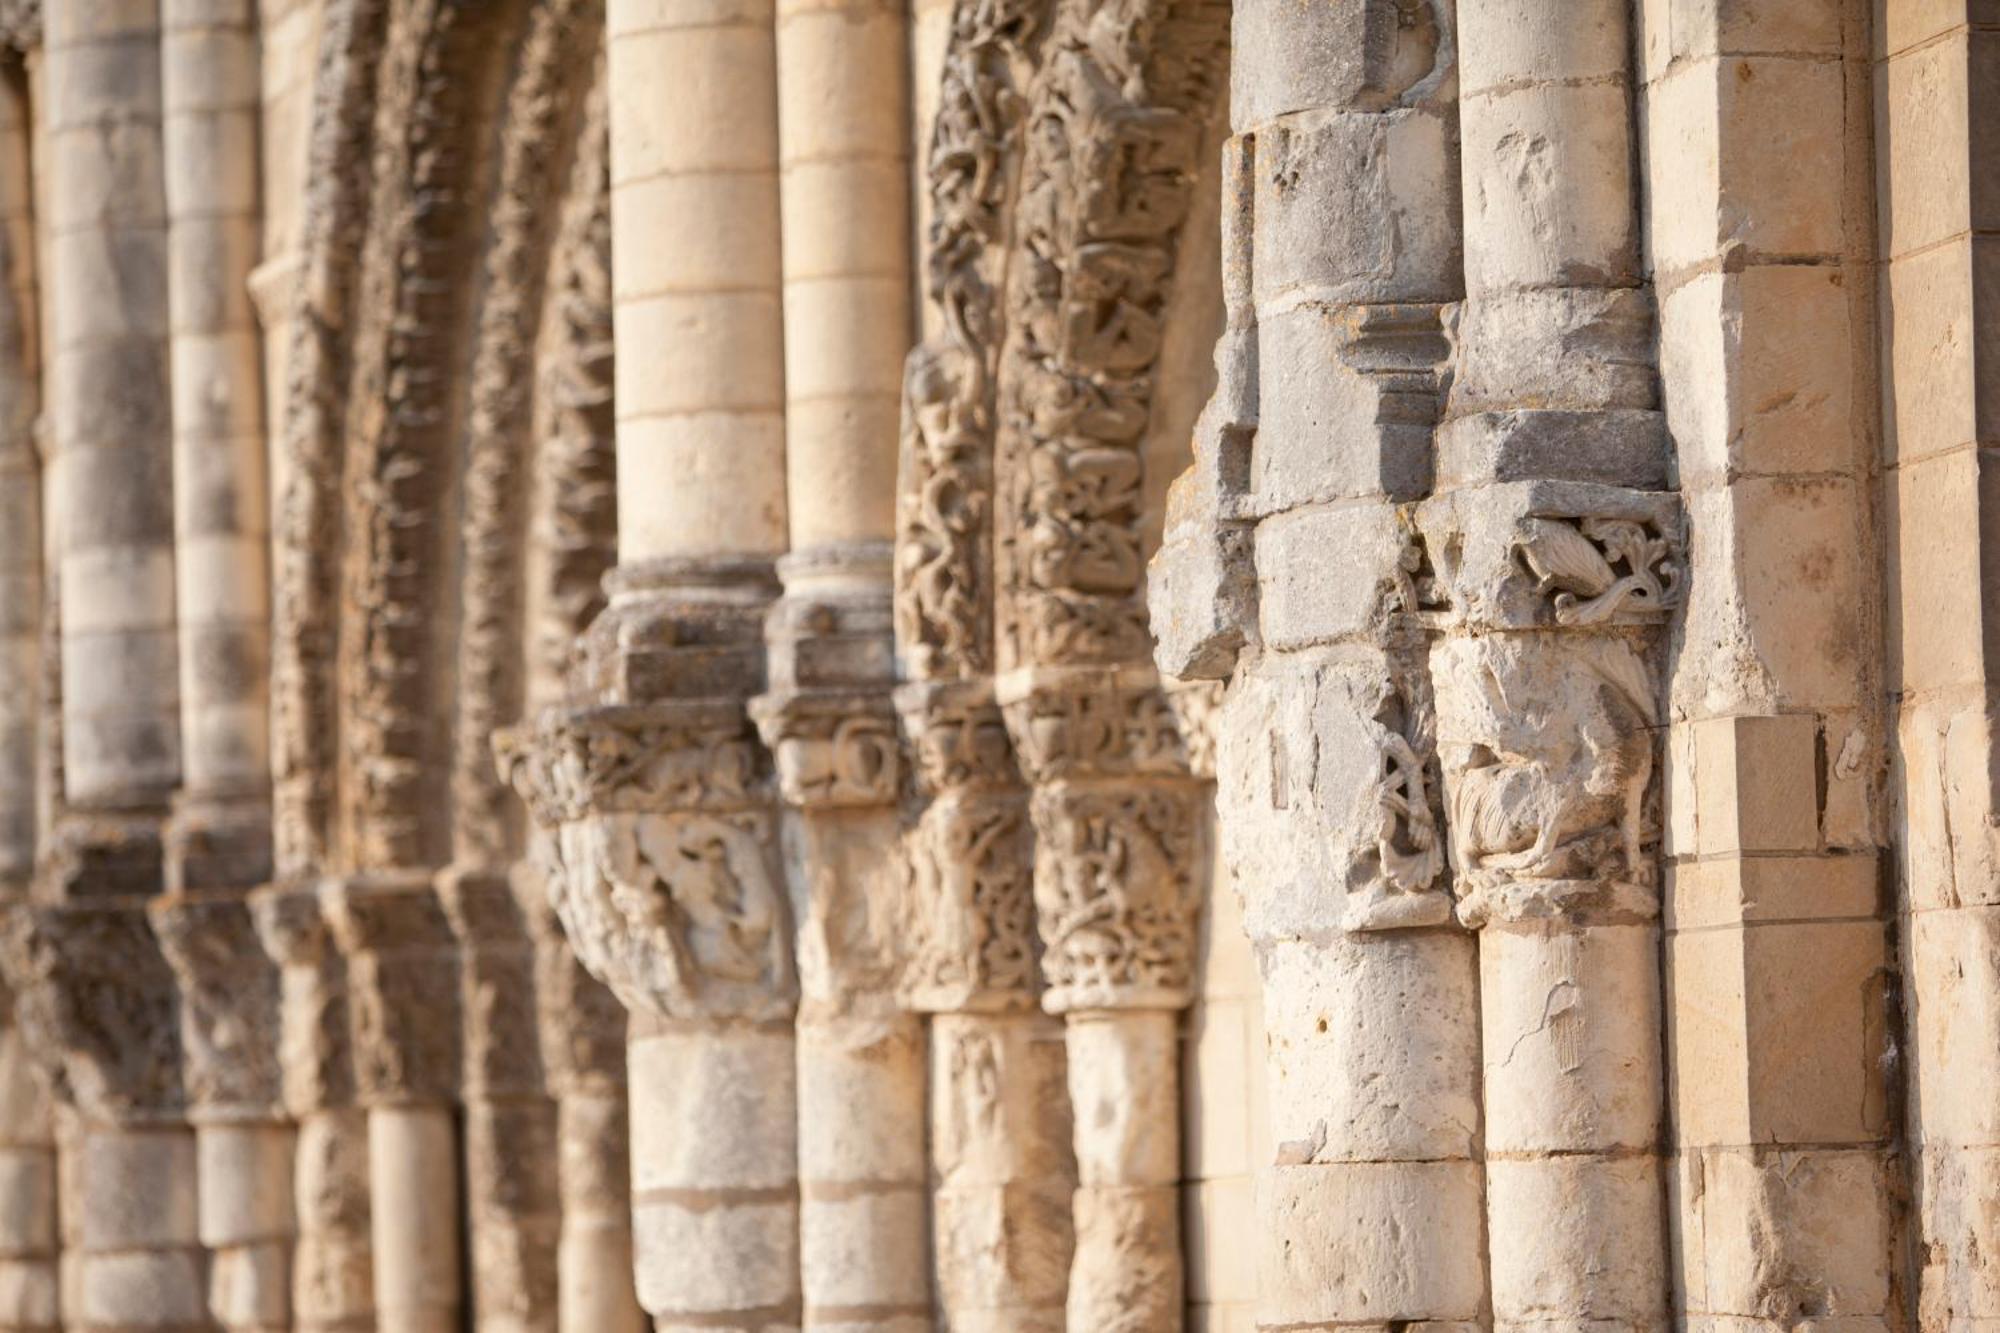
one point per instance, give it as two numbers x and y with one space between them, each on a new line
229 997
497 961
403 986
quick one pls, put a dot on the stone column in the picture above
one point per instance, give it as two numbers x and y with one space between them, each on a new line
1001 1158
1558 558
89 979
403 1014
1759 188
651 778
29 1284
1308 457
828 718
219 839
1115 128
332 1269
1937 101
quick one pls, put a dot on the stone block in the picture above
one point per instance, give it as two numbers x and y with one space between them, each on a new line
1749 27
1389 1241
1779 1235
714 1259
1597 1242
1556 349
1941 540
1218 1068
1738 890
859 212
728 354
1298 604
713 1109
133 1190
1612 448
1943 95
1760 368
999 1104
1218 1215
1569 1022
1347 407
27 1202
997 1246
1530 220
249 1287
676 99
1124 1092
874 1073
244 1174
1356 207
1507 43
30 1294
1777 1033
1941 361
865 1248
139 1289
1759 145
1288 59
1954 972
1372 1047
687 252
1958 1287
1754 784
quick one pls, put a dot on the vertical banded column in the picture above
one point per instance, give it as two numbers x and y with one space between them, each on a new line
1315 446
332 1270
828 718
30 1282
701 954
1937 107
90 983
1759 174
1558 558
219 840
1001 1159
403 1013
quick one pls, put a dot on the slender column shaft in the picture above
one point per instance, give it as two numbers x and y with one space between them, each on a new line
332 1276
843 148
108 405
1552 448
30 1292
694 173
1937 109
404 1012
209 60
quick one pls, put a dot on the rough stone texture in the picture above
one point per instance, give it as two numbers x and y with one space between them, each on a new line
613 719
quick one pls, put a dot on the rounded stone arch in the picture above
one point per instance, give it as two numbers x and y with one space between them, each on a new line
443 343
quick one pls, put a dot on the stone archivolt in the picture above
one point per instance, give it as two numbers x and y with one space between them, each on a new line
600 855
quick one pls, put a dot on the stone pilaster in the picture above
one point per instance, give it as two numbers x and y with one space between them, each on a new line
403 1011
831 728
1558 558
665 833
332 1267
1291 569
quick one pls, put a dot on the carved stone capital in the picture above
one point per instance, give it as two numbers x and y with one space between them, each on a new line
1092 723
229 1004
94 994
497 962
832 750
1547 742
403 986
1554 555
315 1041
663 836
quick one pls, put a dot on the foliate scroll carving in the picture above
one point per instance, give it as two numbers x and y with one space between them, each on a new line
662 842
944 510
1102 729
1548 774
1554 555
90 984
1116 895
229 1003
1592 568
1112 147
1197 706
